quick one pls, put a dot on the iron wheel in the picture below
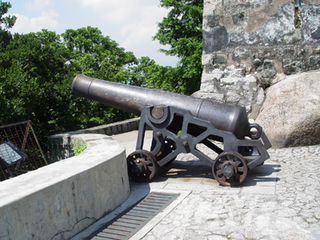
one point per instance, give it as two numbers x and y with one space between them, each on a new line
142 166
230 169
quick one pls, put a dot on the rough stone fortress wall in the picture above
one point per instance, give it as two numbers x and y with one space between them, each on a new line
249 44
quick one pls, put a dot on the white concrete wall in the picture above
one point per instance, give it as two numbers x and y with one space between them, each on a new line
60 144
59 200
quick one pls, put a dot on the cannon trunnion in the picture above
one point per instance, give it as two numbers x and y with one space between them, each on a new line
183 124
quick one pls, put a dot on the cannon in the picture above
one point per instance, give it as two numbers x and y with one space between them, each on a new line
182 124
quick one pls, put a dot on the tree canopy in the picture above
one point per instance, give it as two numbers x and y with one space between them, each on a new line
182 30
37 69
5 23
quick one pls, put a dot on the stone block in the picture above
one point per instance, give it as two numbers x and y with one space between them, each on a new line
230 80
114 129
206 59
108 131
260 97
250 79
215 39
232 97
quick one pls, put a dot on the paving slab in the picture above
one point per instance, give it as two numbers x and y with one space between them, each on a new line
279 200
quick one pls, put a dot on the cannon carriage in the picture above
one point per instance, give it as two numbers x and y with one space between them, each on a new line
183 124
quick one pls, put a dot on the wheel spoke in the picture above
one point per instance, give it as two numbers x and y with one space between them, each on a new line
142 165
230 169
219 172
239 162
222 179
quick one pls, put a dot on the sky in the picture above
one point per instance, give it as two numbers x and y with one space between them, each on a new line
131 23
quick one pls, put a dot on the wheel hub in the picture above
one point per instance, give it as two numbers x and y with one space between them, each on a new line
140 166
229 169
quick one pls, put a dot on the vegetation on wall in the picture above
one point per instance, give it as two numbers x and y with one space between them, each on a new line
37 69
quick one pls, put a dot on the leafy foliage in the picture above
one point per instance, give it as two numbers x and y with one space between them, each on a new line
98 56
8 21
78 148
36 74
37 69
33 82
182 30
5 23
150 75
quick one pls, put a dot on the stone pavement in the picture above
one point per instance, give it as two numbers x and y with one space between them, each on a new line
279 200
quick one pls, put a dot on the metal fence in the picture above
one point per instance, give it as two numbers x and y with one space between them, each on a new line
20 150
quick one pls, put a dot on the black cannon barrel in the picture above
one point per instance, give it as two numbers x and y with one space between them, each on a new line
132 99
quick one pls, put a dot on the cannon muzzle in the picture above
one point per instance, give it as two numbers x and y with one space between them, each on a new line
132 99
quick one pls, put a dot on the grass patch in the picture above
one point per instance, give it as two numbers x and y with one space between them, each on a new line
78 148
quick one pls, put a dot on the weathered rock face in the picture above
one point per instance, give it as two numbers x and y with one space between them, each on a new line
232 86
257 41
290 115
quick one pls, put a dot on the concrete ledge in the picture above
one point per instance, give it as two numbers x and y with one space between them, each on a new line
60 145
60 200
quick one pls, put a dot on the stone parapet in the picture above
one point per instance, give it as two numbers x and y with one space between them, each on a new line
61 199
61 145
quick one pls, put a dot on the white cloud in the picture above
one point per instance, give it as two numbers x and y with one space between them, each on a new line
45 21
127 10
38 4
132 24
116 11
137 32
136 20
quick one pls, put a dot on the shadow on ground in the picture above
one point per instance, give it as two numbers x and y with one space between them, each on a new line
187 171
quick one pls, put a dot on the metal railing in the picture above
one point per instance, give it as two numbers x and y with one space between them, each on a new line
20 150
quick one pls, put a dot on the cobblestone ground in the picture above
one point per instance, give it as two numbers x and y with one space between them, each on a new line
279 200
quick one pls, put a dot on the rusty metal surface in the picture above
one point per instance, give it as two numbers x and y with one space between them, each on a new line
142 165
133 220
230 169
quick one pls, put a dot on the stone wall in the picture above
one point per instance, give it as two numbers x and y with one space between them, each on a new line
248 44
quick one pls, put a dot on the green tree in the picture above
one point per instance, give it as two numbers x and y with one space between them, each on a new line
32 80
36 72
5 23
151 75
99 57
37 69
182 30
